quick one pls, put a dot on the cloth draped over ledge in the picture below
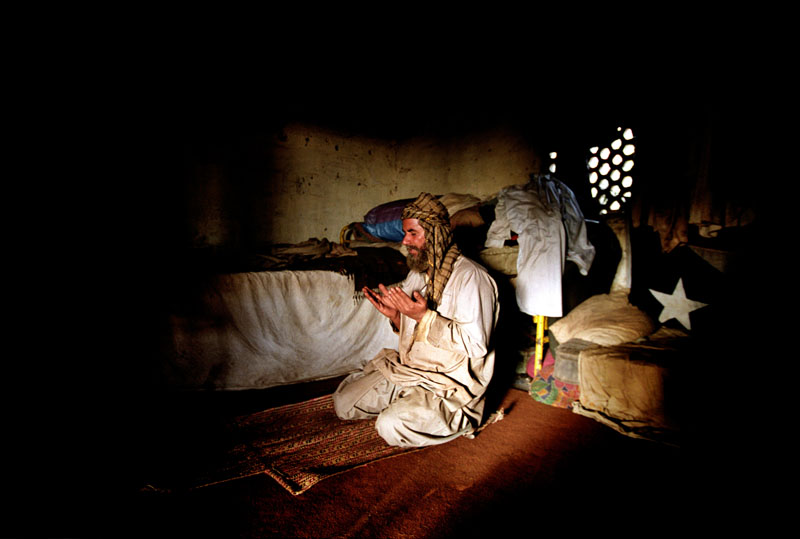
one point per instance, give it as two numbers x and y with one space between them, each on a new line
365 263
367 266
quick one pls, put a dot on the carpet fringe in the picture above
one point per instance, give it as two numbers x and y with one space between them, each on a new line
494 418
153 488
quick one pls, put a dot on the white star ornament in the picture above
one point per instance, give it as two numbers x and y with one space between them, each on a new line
676 305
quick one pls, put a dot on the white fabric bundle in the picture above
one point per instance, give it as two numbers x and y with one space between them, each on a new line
551 228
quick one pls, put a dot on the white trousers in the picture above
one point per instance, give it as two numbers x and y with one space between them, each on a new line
410 416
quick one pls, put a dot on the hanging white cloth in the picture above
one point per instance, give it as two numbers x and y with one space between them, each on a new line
551 229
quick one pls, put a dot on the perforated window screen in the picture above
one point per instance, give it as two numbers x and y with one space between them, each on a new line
610 171
552 166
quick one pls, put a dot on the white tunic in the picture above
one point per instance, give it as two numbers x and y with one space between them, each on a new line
432 388
551 227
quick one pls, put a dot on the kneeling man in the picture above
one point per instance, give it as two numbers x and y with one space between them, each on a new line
431 390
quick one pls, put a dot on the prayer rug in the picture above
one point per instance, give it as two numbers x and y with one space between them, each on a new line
298 445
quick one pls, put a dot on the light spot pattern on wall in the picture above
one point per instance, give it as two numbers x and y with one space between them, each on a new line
552 167
610 176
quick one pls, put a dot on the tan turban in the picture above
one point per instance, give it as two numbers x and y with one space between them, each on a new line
442 252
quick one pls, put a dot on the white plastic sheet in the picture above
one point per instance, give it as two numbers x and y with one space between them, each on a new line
262 329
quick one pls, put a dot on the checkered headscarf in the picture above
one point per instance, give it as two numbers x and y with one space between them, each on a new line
442 251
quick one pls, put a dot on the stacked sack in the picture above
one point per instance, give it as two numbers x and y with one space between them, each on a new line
385 220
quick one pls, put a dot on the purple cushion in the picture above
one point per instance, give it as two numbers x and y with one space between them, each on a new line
389 211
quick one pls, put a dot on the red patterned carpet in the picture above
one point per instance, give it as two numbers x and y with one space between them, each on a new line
540 469
297 444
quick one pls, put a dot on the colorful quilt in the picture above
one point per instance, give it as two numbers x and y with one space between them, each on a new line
545 388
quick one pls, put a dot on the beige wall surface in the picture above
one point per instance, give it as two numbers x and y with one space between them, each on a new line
314 181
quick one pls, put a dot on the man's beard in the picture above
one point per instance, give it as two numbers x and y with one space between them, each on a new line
418 262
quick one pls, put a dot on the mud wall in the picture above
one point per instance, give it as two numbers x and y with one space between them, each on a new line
304 181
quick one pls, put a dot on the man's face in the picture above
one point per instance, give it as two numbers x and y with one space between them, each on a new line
414 240
414 237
